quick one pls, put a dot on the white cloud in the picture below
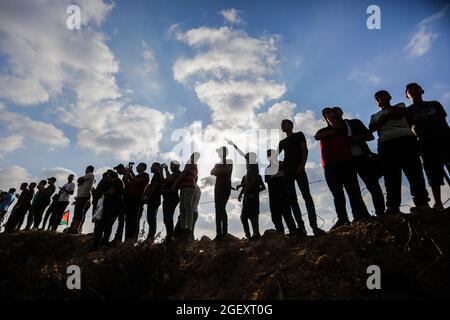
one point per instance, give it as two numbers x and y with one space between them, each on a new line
233 102
59 173
365 77
48 62
39 131
150 63
231 15
124 131
10 144
224 52
44 57
13 176
421 41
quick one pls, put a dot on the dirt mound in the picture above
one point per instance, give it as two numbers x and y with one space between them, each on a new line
412 252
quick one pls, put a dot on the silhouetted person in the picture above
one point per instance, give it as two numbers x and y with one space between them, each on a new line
99 190
338 168
399 150
186 183
63 201
85 184
365 162
152 198
51 208
44 201
428 121
195 202
278 199
295 156
126 176
35 204
7 199
112 205
252 184
133 202
21 207
222 190
170 197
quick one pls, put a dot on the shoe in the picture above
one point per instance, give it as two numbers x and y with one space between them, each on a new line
340 223
317 231
255 237
218 237
392 212
438 207
301 232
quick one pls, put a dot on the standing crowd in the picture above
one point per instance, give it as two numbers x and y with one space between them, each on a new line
410 139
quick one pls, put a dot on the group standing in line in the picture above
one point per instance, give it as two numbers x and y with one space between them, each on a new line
407 137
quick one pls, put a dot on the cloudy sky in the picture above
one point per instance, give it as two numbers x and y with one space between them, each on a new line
141 79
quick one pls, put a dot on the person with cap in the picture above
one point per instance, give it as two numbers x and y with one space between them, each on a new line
295 157
428 121
35 204
399 151
222 190
44 200
170 196
63 201
85 184
152 198
7 199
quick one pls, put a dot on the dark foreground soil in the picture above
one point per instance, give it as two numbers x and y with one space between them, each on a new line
411 250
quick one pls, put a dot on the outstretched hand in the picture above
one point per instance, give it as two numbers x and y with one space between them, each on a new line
230 142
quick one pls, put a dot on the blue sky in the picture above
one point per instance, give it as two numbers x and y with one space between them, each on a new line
80 88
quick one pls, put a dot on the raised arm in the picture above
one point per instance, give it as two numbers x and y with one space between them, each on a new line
236 147
324 133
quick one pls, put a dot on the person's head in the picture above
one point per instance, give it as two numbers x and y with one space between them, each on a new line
120 169
338 111
272 154
414 91
156 167
329 115
89 169
42 183
141 167
251 158
32 186
194 157
174 166
112 175
51 181
222 152
383 98
12 191
287 125
70 178
23 186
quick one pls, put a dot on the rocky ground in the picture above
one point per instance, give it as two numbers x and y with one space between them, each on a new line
411 250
